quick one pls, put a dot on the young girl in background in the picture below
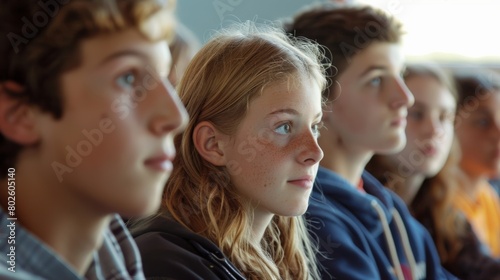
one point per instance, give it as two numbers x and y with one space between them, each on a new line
246 164
478 132
424 173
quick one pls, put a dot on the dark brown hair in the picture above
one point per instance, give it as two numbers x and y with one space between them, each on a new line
473 83
344 31
39 40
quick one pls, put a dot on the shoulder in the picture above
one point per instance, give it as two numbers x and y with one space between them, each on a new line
173 251
118 256
16 275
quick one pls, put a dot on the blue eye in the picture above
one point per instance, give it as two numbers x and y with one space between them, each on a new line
126 80
376 81
316 128
283 129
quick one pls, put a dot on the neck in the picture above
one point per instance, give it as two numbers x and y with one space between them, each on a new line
261 221
346 162
470 183
57 215
408 187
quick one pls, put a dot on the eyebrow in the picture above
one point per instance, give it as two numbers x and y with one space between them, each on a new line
123 53
291 111
373 68
421 105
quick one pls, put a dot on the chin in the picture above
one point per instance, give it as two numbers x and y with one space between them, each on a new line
301 210
390 145
394 148
429 173
141 209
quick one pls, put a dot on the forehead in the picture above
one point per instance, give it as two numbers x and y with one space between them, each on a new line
429 91
377 54
294 91
486 103
105 47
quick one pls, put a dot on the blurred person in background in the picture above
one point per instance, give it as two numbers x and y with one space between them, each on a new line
424 173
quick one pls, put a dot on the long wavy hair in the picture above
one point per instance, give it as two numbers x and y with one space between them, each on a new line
433 203
218 86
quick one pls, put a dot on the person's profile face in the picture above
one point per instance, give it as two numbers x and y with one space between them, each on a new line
478 132
371 107
430 130
274 152
114 144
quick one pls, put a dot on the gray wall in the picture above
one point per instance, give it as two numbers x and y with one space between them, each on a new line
204 16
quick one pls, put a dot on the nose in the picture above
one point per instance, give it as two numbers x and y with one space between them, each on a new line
171 116
310 152
434 127
401 96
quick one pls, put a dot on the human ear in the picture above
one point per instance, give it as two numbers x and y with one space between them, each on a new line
209 143
17 122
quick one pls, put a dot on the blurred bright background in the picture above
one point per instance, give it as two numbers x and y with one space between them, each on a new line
458 30
446 31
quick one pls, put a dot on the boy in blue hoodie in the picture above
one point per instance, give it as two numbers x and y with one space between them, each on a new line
363 230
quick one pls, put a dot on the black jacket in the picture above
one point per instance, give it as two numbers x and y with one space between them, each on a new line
171 251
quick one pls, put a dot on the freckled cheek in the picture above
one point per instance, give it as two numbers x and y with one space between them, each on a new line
265 171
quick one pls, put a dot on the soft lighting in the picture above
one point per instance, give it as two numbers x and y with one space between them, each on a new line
447 30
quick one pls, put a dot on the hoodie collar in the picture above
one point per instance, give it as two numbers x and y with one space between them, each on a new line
333 187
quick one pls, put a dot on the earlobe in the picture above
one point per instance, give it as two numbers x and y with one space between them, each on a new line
16 117
208 143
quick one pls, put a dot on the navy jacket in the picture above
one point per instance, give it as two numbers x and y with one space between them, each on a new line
368 236
171 251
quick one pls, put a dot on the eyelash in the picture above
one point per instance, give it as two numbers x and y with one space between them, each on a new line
283 125
315 128
378 81
124 79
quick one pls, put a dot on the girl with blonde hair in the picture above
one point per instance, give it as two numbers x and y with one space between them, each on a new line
246 162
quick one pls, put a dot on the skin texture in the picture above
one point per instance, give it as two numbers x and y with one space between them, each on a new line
274 153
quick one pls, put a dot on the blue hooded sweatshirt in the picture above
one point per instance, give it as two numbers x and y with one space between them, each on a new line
368 235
